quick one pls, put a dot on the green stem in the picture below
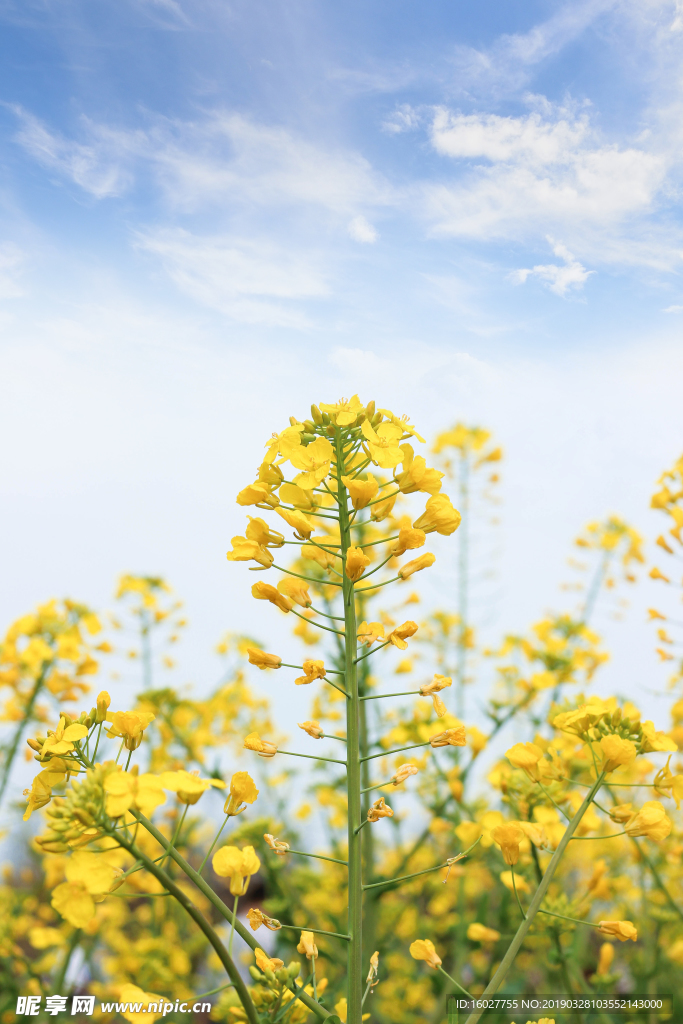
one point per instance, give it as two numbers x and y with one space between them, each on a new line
316 931
403 693
318 856
355 912
538 898
514 886
397 750
454 982
312 757
208 853
234 919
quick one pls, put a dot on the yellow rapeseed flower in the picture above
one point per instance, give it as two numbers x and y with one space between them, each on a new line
312 670
263 660
356 563
423 949
508 837
362 491
439 516
423 562
264 748
237 865
480 933
265 592
622 930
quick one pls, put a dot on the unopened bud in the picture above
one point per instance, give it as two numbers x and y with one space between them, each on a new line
282 975
309 426
103 702
255 973
616 716
326 418
370 410
377 418
34 744
293 969
316 415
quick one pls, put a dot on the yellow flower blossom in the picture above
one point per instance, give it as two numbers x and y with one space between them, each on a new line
439 516
313 728
362 491
403 773
408 540
423 562
526 756
187 786
416 476
382 509
244 550
324 558
382 444
397 637
296 590
130 725
605 958
264 748
265 592
258 493
262 660
480 933
653 740
622 930
508 837
356 563
243 791
301 524
291 494
131 995
343 413
651 821
369 632
237 865
125 790
423 949
63 739
256 918
585 716
616 752
312 670
379 810
266 963
40 792
307 946
88 878
455 737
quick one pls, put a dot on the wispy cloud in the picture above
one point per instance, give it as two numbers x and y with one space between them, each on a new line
510 61
252 282
559 279
220 158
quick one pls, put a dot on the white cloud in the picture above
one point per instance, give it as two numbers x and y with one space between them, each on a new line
362 231
559 278
222 158
254 283
404 119
95 166
530 173
673 309
508 63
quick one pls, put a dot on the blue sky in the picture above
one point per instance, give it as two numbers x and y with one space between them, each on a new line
213 214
